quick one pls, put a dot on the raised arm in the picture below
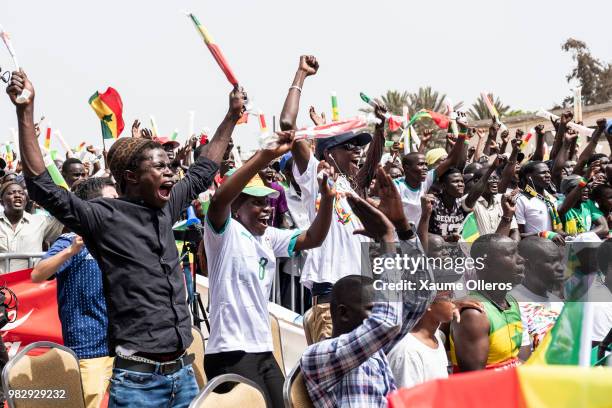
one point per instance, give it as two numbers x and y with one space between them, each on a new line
301 150
508 204
590 148
510 168
375 150
454 157
562 158
221 202
217 146
479 188
49 266
538 154
31 156
317 232
491 138
560 127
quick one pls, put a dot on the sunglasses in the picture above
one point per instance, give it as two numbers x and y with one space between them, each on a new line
349 147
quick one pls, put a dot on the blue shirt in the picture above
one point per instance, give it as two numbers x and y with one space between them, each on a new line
80 300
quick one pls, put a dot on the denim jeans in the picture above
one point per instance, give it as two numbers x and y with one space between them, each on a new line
134 389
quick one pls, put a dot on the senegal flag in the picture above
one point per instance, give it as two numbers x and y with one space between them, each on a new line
109 108
441 120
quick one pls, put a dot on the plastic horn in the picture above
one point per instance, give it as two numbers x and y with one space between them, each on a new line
154 126
63 143
582 130
25 94
578 104
334 102
191 127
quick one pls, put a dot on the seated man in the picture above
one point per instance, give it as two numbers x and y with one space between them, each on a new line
351 368
491 339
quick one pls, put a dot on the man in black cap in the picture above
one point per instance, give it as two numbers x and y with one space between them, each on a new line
339 255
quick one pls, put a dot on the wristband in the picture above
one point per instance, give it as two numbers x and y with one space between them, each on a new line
582 183
295 87
548 234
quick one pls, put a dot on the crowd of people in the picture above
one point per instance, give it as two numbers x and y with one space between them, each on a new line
541 224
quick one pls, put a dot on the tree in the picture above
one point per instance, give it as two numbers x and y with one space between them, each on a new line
479 110
593 75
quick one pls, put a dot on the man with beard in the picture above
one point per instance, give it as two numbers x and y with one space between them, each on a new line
21 231
491 339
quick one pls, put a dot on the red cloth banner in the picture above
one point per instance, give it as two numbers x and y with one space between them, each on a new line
37 318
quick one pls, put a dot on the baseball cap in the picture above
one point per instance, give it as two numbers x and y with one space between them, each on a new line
164 140
358 139
255 187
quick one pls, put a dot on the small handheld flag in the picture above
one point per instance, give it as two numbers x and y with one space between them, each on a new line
334 102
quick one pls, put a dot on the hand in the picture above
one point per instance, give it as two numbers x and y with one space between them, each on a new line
317 119
471 151
91 149
427 203
493 147
466 303
380 111
566 117
601 125
498 161
76 246
539 130
375 224
390 200
508 203
146 134
454 237
559 240
19 82
505 135
285 141
516 144
183 152
594 168
328 192
237 102
493 129
308 64
569 137
136 128
519 134
426 136
479 133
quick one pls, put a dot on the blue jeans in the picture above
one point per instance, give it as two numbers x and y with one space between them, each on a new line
134 389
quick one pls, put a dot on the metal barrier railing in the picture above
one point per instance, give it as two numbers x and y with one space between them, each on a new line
6 258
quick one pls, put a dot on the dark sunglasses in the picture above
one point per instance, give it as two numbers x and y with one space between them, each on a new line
349 146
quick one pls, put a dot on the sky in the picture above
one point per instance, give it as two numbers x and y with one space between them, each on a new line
150 52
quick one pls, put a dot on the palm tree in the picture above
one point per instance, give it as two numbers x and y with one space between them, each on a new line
479 110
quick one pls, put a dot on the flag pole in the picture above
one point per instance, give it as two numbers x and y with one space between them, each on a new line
104 146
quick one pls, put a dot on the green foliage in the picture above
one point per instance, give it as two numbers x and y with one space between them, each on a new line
479 110
594 75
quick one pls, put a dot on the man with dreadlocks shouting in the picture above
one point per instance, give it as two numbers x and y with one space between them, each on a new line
149 325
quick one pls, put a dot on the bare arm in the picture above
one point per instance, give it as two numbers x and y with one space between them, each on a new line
562 158
31 155
538 154
300 150
590 148
510 169
217 146
571 199
479 188
423 224
221 202
48 267
508 203
471 340
454 157
491 138
317 232
366 173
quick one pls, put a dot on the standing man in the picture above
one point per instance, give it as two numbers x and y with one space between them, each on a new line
80 298
131 238
73 170
340 253
21 231
491 339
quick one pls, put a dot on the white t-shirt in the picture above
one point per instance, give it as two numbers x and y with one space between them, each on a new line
241 268
413 362
532 212
550 301
538 313
411 199
340 253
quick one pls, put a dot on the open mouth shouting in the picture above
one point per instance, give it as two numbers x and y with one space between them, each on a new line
164 190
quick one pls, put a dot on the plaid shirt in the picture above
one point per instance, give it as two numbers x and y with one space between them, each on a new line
352 370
